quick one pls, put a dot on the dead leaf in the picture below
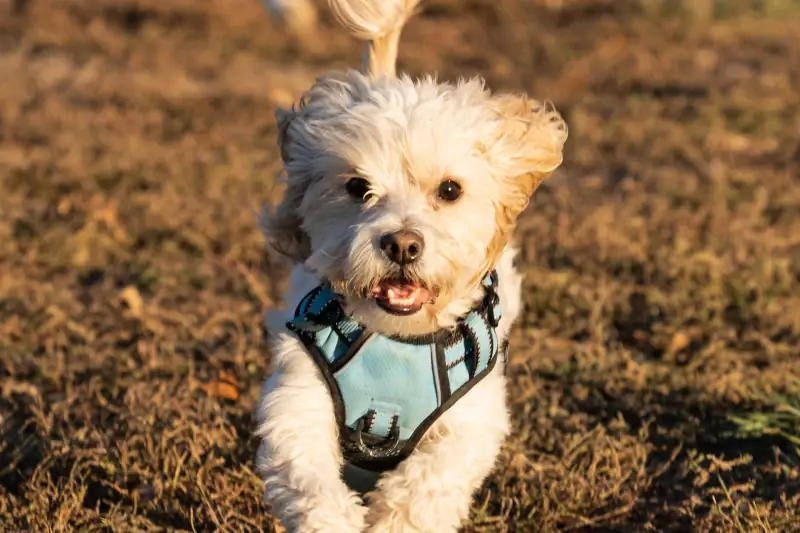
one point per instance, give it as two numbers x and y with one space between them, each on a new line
220 389
228 378
133 299
64 206
681 349
680 341
225 386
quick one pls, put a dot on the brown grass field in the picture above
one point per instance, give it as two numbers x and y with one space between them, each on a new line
658 359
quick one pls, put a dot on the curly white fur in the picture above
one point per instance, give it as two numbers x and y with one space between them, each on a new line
405 137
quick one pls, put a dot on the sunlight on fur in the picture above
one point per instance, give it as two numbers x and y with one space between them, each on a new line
401 196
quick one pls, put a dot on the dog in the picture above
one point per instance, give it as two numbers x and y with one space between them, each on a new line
386 409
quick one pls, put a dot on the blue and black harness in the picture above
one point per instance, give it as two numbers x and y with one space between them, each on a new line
387 391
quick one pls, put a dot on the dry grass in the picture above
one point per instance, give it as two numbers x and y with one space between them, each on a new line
663 287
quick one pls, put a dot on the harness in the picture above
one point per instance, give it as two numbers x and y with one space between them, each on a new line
388 390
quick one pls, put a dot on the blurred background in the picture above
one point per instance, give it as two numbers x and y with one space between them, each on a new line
654 379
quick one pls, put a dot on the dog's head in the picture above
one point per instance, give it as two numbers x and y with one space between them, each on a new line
403 194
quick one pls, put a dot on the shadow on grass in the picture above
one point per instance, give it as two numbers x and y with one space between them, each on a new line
699 469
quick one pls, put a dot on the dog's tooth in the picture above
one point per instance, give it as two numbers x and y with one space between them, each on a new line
402 302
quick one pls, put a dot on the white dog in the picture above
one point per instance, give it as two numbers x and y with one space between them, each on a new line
387 410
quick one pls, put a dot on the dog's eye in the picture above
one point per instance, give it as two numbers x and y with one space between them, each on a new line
449 191
358 188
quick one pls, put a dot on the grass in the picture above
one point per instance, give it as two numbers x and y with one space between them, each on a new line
782 419
662 322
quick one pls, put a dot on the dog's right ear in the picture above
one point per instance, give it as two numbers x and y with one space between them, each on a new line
283 226
302 131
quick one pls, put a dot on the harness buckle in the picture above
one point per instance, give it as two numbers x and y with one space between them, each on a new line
389 447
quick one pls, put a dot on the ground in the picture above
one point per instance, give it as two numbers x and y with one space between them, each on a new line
137 144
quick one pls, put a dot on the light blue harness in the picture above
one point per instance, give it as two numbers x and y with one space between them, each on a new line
387 391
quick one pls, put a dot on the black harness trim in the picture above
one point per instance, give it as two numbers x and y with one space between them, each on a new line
456 362
351 351
441 370
476 349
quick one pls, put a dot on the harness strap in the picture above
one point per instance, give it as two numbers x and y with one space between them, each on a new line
459 359
442 377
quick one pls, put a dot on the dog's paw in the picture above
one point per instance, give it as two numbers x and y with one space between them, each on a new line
393 525
329 520
398 522
329 525
324 511
399 526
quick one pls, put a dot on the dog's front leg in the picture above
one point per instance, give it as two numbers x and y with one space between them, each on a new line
299 457
431 491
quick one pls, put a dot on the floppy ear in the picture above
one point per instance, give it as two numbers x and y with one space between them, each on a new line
525 147
528 141
300 131
283 227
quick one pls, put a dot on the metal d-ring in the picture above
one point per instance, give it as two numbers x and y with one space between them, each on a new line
384 449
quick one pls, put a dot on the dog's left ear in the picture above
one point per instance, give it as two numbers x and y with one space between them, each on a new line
528 141
524 148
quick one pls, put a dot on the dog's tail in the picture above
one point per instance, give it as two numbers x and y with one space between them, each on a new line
379 22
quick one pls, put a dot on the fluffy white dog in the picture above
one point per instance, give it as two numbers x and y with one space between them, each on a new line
386 409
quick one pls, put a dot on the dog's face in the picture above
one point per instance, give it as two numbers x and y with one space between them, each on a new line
403 195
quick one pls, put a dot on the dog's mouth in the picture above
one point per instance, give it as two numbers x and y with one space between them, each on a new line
401 297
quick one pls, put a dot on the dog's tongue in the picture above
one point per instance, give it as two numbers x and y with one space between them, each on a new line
401 296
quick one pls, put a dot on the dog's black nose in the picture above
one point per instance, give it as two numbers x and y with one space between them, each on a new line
402 247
